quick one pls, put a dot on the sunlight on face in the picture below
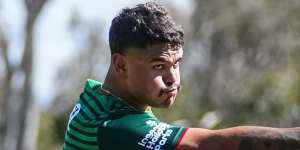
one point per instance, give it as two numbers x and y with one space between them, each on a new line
153 74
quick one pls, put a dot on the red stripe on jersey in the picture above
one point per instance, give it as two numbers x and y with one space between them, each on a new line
183 133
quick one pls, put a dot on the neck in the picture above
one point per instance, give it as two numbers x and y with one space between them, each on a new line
117 88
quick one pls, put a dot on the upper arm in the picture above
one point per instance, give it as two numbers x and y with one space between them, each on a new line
204 139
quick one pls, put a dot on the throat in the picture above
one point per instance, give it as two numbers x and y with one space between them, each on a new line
131 102
114 86
140 107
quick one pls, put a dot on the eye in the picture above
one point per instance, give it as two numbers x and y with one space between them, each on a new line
158 67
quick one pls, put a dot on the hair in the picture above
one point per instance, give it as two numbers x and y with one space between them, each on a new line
143 25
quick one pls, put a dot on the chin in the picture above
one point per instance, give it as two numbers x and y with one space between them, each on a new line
167 103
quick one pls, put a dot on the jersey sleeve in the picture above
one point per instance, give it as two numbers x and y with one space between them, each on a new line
139 132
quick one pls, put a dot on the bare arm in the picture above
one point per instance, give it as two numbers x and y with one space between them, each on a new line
241 138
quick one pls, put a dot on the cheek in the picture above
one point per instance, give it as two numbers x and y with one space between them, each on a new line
153 84
143 79
158 81
178 75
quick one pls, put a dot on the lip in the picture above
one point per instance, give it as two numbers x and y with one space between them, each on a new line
171 92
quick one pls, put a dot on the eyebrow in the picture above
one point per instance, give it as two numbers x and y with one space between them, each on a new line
158 59
162 60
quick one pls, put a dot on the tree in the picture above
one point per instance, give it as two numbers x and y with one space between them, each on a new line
18 112
250 49
5 79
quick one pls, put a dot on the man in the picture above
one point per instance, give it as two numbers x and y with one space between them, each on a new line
146 49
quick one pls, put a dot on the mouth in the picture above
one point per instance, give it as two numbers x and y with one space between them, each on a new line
171 92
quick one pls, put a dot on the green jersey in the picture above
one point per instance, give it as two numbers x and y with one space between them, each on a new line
103 122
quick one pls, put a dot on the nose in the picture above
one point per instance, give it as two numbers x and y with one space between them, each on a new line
171 76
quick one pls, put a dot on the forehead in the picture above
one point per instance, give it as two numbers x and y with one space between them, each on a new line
157 51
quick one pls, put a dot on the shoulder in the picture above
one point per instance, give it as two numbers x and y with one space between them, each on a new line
138 131
130 122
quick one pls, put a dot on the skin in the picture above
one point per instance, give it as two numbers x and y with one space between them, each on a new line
150 77
241 138
147 77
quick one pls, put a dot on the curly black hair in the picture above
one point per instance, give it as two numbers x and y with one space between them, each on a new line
142 26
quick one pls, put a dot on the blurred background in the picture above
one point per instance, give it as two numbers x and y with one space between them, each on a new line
240 67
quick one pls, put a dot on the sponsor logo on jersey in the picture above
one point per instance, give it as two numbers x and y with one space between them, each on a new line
74 112
157 137
151 123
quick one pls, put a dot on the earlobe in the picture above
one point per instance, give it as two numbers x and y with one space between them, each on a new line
119 64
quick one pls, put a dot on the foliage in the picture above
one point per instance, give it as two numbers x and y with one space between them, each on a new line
51 131
250 74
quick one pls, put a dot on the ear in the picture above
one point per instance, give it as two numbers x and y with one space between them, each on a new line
119 63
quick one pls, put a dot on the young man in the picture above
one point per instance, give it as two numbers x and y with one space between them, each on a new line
146 48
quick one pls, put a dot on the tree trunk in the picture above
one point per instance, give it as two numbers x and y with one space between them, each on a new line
6 110
26 93
19 116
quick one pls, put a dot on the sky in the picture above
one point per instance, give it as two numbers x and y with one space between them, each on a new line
53 43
